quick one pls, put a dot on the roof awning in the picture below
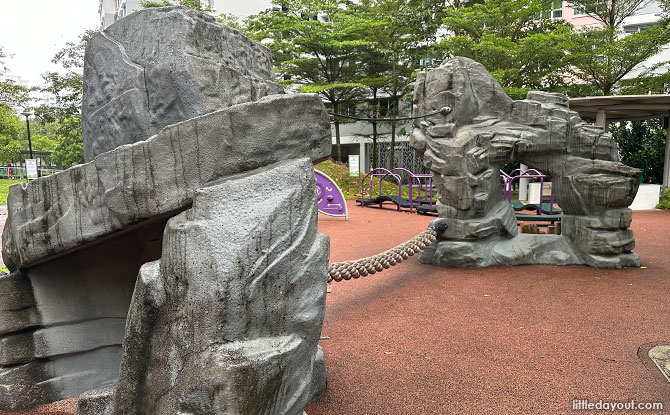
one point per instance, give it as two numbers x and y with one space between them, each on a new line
622 107
603 110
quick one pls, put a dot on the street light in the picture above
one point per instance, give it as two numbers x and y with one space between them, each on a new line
30 145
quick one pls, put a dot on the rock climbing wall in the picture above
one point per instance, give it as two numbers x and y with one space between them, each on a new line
485 130
211 201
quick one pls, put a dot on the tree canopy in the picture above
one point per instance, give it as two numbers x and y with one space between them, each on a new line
65 113
603 56
515 40
347 51
316 55
11 93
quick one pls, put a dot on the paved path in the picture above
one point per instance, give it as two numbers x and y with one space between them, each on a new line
420 339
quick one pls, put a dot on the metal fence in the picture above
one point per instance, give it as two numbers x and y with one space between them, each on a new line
19 172
404 156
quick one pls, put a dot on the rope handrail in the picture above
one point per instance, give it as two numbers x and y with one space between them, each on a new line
443 111
338 271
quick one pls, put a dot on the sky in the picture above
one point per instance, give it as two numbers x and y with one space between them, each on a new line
32 32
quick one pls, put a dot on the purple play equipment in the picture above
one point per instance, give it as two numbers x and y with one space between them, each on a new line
421 182
427 182
508 180
380 173
329 198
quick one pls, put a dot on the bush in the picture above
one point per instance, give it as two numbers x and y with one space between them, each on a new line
665 200
642 145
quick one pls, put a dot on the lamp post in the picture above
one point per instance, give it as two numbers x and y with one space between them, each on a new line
30 145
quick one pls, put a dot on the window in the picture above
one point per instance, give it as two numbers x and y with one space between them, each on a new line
579 11
556 10
634 29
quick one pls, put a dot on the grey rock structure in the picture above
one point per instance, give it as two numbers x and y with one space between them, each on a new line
486 130
161 66
216 213
145 180
223 322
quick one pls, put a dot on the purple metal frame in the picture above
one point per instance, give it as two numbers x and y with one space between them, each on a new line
428 185
508 179
423 181
381 173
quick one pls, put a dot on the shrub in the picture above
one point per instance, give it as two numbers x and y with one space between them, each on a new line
665 200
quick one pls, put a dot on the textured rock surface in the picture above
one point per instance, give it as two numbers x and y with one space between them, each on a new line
229 319
485 130
63 321
96 402
158 176
160 66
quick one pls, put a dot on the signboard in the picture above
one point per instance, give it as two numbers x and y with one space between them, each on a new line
31 169
329 197
353 165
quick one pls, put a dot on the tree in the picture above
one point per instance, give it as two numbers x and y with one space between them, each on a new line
610 13
10 92
604 56
642 145
66 112
400 34
515 40
193 4
69 146
314 55
10 134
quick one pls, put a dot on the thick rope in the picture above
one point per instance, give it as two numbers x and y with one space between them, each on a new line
347 270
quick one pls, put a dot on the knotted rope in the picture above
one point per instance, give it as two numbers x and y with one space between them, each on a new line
338 271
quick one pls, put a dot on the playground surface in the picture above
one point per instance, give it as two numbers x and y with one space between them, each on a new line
420 339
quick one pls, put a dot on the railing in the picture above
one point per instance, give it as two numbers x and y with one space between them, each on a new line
428 183
380 173
509 179
20 172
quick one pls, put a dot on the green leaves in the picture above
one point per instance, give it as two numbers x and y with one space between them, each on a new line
10 92
611 13
329 87
520 48
604 56
642 145
524 50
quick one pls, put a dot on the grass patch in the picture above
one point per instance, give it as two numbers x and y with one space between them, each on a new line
664 203
351 186
4 188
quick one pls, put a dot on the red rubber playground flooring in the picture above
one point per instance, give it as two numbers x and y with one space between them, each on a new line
420 339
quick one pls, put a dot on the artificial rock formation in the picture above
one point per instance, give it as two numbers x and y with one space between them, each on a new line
216 214
223 322
162 66
485 130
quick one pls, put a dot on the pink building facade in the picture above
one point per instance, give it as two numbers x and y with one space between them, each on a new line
645 17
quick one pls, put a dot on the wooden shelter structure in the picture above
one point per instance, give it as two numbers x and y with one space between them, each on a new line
606 109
